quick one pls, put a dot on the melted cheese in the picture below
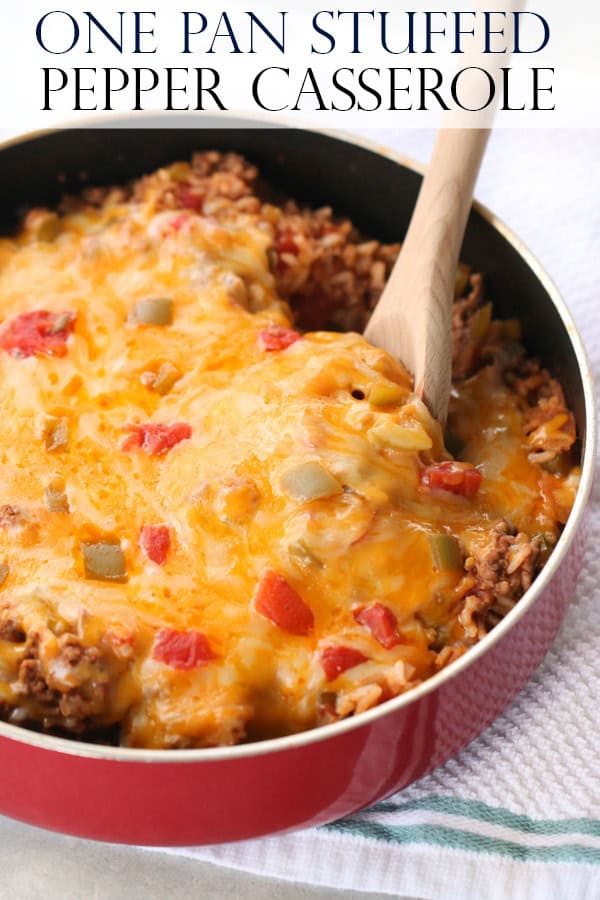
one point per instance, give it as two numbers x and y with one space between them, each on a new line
254 415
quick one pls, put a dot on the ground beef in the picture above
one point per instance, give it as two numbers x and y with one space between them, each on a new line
464 348
32 683
71 692
213 177
503 568
11 630
549 425
330 275
478 341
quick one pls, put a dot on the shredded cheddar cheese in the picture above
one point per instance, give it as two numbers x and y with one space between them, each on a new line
215 528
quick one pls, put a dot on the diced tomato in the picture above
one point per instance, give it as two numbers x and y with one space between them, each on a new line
277 601
277 338
156 439
38 333
182 649
381 622
155 541
335 660
190 197
285 244
456 477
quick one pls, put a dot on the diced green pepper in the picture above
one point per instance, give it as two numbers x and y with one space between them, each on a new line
153 311
446 553
166 377
4 570
310 481
56 434
104 561
386 394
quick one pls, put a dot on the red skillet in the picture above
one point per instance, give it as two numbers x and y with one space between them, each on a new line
207 796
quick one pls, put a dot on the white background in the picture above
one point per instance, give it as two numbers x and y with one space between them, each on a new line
573 51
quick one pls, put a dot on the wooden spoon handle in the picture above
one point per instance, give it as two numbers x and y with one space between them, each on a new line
413 317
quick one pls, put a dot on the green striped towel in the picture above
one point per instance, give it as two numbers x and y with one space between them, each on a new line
438 848
516 816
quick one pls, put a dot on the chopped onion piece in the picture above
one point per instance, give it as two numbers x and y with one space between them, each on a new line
56 434
310 481
408 436
56 499
386 394
153 311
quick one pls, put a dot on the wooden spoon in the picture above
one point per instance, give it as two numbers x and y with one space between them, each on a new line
413 317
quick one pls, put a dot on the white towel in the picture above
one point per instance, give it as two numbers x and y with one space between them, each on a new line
516 815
